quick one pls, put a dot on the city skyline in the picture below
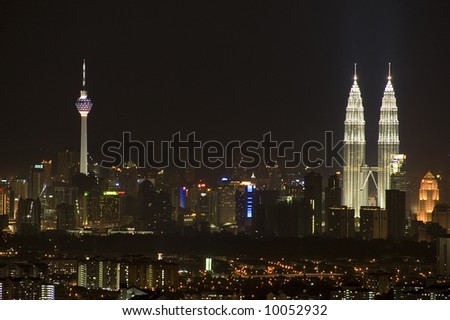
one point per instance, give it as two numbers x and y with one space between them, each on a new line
236 151
160 103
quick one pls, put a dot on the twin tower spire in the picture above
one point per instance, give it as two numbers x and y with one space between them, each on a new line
356 170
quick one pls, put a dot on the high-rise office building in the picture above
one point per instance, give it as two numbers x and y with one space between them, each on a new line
84 106
428 197
396 214
6 201
68 162
340 222
388 140
109 205
398 173
444 187
244 205
29 217
37 181
333 195
180 197
62 193
4 221
65 217
48 171
443 256
313 195
189 176
128 179
269 177
293 187
333 191
19 187
154 208
226 201
88 208
6 204
355 194
263 200
146 198
201 203
441 215
289 218
373 223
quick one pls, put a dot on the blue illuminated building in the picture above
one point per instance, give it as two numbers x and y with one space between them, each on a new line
249 196
183 197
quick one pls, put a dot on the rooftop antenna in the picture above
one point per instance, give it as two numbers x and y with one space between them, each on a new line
84 73
389 74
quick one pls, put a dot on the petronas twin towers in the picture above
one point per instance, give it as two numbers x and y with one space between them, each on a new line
356 171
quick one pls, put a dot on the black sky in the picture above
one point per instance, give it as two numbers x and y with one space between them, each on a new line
228 70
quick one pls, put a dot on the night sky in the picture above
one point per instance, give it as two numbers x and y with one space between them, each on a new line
228 70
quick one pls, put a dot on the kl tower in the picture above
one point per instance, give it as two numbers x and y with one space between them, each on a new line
83 105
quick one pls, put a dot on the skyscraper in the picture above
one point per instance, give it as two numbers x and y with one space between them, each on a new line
354 194
428 197
333 191
313 195
289 218
6 206
146 198
226 201
441 215
443 256
397 172
333 196
388 140
19 187
201 203
356 172
65 215
373 223
67 163
47 166
37 181
340 222
84 106
154 208
29 217
128 179
6 201
244 205
263 201
396 214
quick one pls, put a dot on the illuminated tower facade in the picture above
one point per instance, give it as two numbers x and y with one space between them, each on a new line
84 106
354 194
397 172
428 197
388 140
